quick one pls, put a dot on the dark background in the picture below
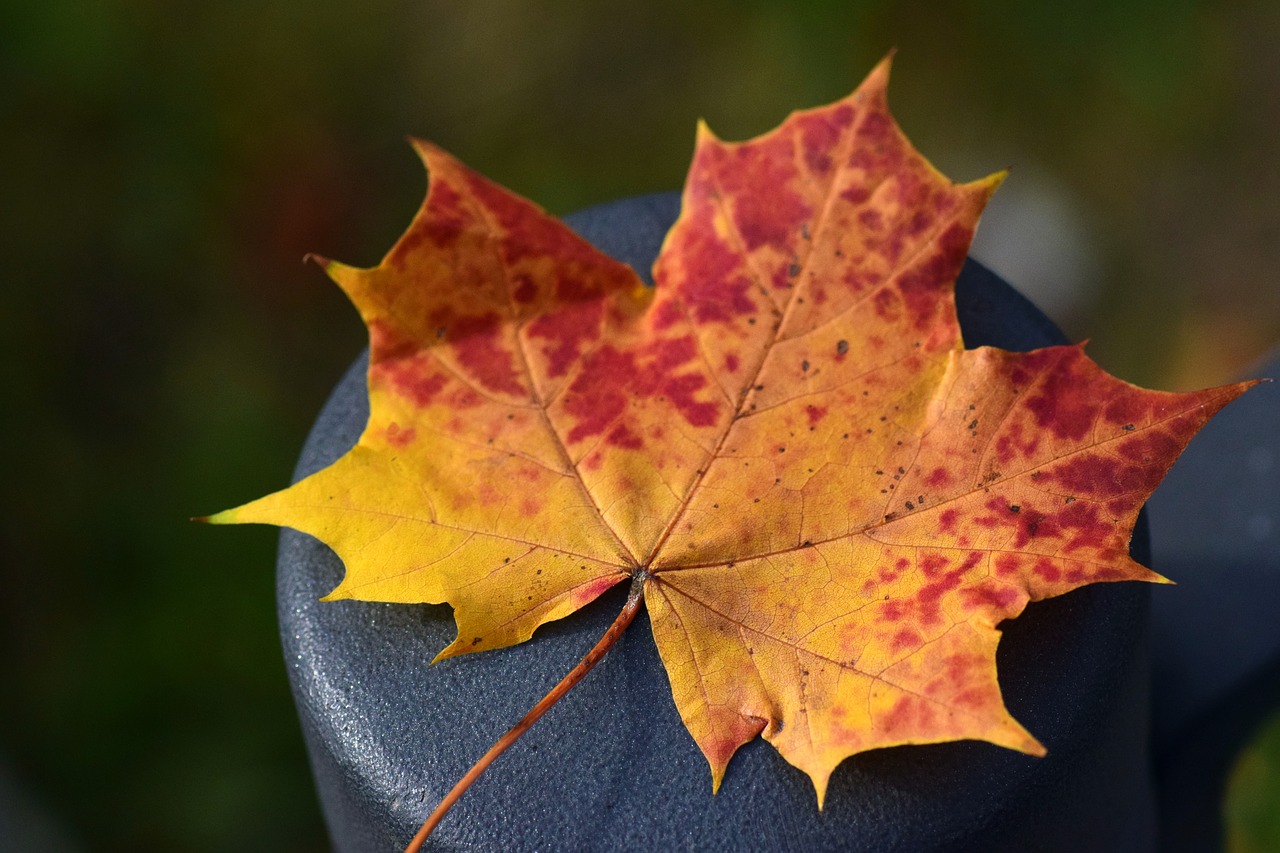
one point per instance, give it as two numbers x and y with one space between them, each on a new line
165 166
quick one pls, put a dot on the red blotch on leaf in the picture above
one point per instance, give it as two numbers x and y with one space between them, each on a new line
906 638
622 436
568 330
398 437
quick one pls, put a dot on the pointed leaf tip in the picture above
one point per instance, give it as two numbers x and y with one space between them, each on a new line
884 68
436 159
995 180
820 789
227 516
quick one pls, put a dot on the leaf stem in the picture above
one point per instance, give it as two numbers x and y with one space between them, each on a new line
590 659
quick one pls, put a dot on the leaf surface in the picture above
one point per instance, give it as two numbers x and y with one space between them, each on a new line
831 502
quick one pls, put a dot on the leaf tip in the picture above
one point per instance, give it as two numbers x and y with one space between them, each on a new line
820 781
422 146
883 68
339 593
227 516
1015 737
341 274
1233 391
992 182
703 133
449 651
435 158
337 271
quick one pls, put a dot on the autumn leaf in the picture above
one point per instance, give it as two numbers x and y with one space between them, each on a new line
826 502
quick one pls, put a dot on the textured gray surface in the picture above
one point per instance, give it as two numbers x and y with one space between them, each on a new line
1218 519
1216 662
612 768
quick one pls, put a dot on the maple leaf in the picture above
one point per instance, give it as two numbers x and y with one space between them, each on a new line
825 502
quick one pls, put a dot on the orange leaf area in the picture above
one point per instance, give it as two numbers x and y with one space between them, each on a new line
832 503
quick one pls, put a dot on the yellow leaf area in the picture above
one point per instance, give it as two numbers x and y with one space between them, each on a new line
831 502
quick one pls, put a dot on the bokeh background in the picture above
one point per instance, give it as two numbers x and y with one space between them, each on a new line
165 166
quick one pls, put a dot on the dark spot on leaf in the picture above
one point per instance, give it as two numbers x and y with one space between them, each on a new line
804 365
842 347
910 505
793 270
1129 427
1015 508
476 641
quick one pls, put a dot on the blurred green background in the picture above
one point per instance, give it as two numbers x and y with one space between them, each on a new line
166 165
